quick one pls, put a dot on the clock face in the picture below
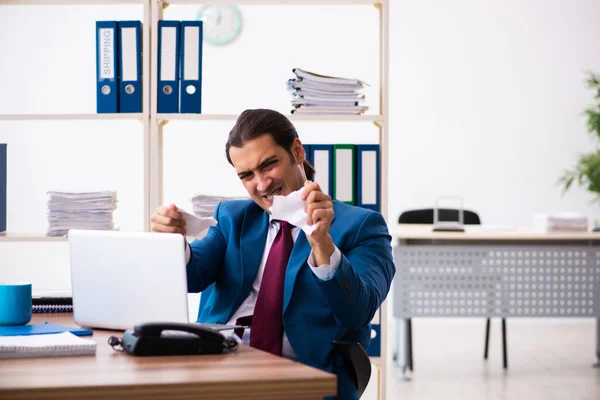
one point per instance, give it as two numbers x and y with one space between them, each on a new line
221 24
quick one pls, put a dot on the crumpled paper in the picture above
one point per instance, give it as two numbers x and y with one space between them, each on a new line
196 226
290 208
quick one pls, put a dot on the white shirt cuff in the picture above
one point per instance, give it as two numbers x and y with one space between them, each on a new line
188 253
325 272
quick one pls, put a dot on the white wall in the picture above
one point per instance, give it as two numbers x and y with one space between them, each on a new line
485 101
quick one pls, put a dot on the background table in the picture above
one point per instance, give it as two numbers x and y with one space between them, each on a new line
486 272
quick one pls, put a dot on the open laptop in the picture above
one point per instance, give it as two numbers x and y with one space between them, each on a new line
120 279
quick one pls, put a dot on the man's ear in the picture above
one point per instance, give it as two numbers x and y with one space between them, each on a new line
298 151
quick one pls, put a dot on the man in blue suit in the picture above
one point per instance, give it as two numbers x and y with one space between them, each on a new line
300 292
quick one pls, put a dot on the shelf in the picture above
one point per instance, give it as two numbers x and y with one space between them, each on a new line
29 237
281 2
376 361
233 117
70 2
72 117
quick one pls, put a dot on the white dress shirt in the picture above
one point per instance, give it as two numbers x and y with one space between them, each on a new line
324 272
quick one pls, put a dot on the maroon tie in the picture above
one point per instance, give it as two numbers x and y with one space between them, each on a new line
267 326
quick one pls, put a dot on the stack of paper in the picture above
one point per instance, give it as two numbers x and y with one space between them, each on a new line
560 222
92 210
567 222
204 205
320 94
49 345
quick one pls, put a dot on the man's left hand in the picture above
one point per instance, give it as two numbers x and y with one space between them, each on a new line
319 209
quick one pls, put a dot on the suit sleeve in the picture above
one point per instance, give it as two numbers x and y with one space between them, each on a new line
206 258
364 276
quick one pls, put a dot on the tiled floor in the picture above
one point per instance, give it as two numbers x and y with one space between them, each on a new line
548 359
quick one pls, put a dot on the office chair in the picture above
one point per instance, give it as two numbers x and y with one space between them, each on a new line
356 360
357 363
425 216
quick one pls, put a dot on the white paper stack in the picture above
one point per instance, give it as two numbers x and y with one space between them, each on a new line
48 345
321 94
90 210
204 205
560 222
567 223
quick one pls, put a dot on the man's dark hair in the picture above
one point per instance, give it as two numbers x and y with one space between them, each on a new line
254 123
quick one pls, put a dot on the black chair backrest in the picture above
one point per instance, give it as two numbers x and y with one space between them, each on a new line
357 363
425 216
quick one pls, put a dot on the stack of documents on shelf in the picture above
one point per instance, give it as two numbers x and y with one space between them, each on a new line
561 222
91 210
204 205
48 345
320 94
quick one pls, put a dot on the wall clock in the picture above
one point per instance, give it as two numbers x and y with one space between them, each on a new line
222 24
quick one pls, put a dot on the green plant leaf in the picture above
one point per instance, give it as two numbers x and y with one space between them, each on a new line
593 80
593 122
587 169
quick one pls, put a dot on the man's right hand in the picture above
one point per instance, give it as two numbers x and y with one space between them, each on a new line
167 219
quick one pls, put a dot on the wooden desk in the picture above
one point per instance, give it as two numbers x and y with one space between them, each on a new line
498 272
245 374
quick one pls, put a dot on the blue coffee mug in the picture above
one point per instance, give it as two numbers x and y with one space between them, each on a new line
15 303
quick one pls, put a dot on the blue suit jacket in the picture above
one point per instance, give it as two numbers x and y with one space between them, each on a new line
315 312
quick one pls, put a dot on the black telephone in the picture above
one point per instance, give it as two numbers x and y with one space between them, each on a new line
172 338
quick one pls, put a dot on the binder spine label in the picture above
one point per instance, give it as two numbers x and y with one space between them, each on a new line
129 54
368 174
107 51
168 56
191 54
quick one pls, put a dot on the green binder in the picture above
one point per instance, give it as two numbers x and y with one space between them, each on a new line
344 175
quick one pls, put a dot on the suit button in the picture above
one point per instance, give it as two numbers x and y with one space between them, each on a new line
347 286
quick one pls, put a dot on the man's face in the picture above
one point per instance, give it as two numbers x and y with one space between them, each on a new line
266 169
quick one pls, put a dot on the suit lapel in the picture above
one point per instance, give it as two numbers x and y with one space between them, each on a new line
252 244
300 253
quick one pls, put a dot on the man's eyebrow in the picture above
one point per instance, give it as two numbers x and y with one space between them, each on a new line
263 164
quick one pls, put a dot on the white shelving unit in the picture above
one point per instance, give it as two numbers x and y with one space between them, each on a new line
26 237
70 117
232 117
143 117
69 2
279 2
158 121
153 122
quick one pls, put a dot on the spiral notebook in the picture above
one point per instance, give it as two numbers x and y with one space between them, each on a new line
52 304
51 345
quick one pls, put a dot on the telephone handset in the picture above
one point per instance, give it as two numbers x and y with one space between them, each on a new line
172 338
